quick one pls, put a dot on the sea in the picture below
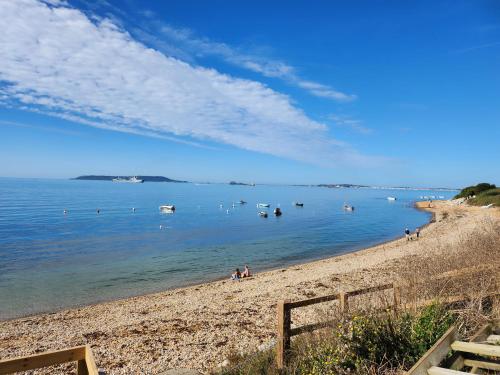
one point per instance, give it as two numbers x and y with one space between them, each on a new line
68 243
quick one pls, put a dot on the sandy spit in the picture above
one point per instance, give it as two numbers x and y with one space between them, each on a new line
196 327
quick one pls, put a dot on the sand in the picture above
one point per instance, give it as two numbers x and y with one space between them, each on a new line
198 326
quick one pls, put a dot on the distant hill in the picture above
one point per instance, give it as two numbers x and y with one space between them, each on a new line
145 178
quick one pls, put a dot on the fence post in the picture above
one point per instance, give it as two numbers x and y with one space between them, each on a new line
397 296
283 339
82 368
344 302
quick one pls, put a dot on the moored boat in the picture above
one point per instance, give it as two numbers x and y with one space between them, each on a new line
263 214
298 204
167 208
348 207
263 205
391 198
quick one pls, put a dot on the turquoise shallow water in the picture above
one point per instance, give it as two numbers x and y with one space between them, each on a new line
49 260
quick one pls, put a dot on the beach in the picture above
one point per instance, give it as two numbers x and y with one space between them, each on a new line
198 326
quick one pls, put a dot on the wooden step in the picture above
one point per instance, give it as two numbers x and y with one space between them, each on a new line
493 339
434 370
474 348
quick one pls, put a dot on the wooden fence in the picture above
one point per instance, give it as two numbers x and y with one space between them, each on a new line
81 354
284 310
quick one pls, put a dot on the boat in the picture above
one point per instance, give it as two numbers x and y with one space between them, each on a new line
242 201
277 211
132 180
263 213
298 204
167 208
348 207
391 198
263 205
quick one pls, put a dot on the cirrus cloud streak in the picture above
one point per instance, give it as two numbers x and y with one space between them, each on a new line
57 61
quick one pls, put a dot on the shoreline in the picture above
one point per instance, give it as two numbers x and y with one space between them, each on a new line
197 326
216 279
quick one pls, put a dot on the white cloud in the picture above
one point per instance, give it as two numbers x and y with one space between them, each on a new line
348 122
57 61
262 65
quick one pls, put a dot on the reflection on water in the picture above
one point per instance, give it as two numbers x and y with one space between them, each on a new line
50 260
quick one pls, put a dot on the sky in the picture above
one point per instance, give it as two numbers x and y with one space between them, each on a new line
364 92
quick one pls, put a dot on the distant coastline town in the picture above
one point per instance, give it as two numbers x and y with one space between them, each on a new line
238 183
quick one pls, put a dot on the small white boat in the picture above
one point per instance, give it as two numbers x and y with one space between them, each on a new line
242 202
132 180
298 204
348 207
263 213
263 205
167 208
391 198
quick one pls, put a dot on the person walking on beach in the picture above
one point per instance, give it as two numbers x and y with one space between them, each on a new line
417 232
407 234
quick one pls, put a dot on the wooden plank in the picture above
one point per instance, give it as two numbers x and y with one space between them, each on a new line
313 301
51 358
344 302
474 348
482 364
482 333
309 328
370 289
436 354
493 339
90 361
283 337
443 371
81 368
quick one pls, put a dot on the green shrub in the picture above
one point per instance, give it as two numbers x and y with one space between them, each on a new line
484 198
365 344
474 190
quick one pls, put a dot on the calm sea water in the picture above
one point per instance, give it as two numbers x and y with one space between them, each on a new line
49 260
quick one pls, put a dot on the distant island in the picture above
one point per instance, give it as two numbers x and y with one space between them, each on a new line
144 178
240 183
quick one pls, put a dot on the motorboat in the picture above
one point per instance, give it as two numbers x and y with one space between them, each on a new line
391 198
242 202
132 180
298 204
277 211
167 208
263 205
263 214
348 207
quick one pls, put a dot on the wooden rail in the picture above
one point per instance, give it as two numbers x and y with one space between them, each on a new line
80 354
284 311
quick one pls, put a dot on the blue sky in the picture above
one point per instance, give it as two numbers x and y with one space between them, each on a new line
369 92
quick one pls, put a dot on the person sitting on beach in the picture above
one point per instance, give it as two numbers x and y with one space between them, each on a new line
407 234
246 272
236 275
